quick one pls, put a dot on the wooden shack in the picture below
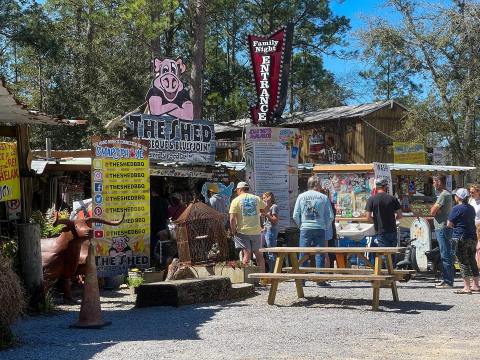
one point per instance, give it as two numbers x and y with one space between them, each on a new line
344 134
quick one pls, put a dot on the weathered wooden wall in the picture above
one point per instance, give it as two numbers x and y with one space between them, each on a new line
378 146
355 140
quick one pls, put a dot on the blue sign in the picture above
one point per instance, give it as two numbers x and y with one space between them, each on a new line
98 187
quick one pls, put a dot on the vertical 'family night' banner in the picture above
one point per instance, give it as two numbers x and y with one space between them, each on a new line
121 185
270 57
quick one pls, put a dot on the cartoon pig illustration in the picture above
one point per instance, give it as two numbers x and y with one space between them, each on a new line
167 94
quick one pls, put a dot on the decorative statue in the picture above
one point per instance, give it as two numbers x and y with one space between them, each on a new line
60 258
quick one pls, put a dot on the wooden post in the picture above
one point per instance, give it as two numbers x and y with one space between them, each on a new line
28 234
31 261
23 152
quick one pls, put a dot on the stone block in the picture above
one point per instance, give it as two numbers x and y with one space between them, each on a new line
237 275
239 291
153 276
183 292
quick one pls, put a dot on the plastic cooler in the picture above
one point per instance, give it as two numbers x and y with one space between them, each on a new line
354 259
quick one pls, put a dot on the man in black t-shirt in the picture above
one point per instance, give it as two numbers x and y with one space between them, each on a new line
384 210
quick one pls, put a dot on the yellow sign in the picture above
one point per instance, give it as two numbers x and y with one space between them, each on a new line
408 153
121 185
9 172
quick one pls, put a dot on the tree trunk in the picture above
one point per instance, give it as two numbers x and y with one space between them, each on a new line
31 261
198 57
40 82
155 43
170 35
90 77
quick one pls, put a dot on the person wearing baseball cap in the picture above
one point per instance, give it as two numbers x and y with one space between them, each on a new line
462 221
216 201
384 210
245 211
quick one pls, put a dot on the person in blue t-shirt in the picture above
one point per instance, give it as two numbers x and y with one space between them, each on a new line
462 220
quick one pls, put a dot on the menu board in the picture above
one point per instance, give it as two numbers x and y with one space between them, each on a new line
9 173
271 165
121 187
271 174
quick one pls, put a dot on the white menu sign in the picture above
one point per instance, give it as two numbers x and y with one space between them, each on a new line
271 165
382 171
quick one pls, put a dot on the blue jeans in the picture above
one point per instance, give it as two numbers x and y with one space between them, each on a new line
313 238
388 240
271 235
444 237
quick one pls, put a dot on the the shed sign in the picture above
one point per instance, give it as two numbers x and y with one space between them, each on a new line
173 139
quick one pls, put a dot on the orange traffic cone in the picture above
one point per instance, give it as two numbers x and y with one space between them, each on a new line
90 311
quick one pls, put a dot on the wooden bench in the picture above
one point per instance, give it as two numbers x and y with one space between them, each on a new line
400 275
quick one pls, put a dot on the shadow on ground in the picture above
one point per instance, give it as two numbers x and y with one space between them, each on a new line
45 337
402 307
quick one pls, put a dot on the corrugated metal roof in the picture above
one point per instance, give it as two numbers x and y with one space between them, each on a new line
231 125
12 111
333 113
39 165
339 112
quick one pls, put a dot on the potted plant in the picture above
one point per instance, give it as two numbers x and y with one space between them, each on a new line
134 279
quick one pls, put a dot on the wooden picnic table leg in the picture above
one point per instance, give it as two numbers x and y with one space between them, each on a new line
394 282
376 284
295 270
341 260
274 283
367 261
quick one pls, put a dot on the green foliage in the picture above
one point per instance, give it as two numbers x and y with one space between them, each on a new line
45 220
90 59
440 45
391 73
9 249
48 304
135 281
312 86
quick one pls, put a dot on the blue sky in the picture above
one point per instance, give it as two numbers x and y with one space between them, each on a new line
346 71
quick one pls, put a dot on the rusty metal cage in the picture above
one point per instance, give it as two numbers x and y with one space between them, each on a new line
201 236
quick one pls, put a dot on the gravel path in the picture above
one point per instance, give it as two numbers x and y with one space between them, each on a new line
334 323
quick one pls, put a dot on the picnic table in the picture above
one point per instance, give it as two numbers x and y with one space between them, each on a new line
377 276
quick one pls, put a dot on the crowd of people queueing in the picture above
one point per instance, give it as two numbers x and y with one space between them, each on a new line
254 224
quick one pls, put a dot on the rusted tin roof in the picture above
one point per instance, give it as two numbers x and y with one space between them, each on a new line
14 112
